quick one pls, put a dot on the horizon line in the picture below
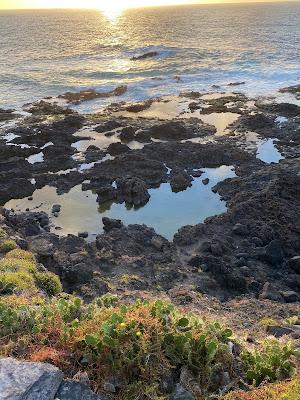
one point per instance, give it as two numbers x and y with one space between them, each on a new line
205 3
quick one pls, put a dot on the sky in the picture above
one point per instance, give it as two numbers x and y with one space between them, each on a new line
101 4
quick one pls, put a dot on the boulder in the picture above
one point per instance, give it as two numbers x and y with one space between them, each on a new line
180 180
127 133
114 149
109 224
70 390
28 381
279 331
294 263
133 191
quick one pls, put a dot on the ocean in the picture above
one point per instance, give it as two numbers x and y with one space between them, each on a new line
46 53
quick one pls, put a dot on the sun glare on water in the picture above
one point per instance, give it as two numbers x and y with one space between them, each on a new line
112 10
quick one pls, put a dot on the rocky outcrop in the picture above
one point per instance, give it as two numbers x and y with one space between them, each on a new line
28 381
91 94
133 191
20 380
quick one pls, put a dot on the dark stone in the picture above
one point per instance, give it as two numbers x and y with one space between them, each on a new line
115 149
71 390
109 224
294 263
132 191
205 181
290 296
127 133
83 235
278 331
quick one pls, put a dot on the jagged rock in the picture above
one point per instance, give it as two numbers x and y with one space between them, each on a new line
106 193
83 235
28 381
115 149
127 133
70 390
109 224
133 191
180 180
145 55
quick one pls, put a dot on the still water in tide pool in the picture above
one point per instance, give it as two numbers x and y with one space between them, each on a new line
166 211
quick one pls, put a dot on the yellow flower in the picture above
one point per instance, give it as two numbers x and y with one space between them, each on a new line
122 324
138 333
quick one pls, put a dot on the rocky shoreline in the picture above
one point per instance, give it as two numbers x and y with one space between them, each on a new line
242 265
250 249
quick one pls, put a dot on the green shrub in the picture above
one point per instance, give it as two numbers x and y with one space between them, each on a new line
20 255
48 282
11 282
3 234
17 265
270 364
7 245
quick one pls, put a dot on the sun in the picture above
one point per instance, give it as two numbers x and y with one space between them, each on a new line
112 9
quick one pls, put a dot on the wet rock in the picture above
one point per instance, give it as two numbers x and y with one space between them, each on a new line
278 331
93 154
109 224
236 83
15 188
91 94
83 235
181 393
205 181
70 390
138 107
108 126
149 54
106 193
127 133
143 136
133 191
56 208
170 131
6 115
115 149
256 123
294 263
291 89
44 108
282 109
180 180
28 381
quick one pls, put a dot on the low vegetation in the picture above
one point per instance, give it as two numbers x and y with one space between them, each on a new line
19 273
289 390
140 345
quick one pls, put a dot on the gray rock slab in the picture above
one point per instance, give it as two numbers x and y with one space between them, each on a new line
28 381
70 390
